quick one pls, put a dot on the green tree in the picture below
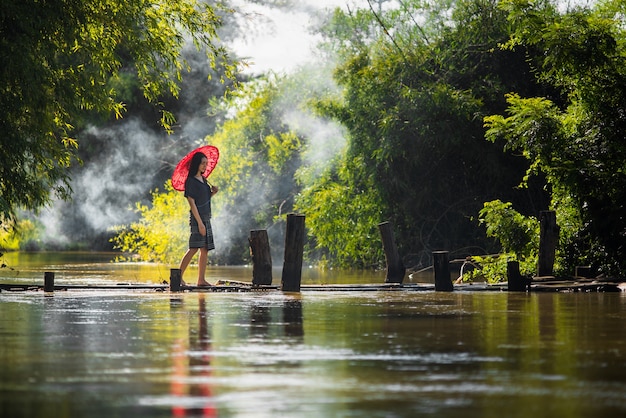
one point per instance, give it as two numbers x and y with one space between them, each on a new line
413 104
342 218
259 155
162 231
576 138
61 60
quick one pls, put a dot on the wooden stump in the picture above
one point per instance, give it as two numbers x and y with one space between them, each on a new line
294 246
176 279
395 267
48 281
548 239
517 283
261 257
441 264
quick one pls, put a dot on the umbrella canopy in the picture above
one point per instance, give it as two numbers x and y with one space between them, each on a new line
179 176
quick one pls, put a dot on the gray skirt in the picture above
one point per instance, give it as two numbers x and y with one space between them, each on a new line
197 240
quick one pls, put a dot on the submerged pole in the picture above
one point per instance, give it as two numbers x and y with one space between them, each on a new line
48 281
441 264
261 257
395 267
294 246
176 279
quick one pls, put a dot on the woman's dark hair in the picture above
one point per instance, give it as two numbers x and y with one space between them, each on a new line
194 165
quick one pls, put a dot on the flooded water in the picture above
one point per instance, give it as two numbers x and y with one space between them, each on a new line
86 268
315 354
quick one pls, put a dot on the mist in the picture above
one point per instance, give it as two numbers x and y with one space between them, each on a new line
124 162
138 157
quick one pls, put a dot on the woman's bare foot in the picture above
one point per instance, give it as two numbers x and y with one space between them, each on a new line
203 284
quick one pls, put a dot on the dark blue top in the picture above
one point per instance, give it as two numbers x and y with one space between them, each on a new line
200 191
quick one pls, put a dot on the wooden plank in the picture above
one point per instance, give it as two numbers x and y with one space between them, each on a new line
226 286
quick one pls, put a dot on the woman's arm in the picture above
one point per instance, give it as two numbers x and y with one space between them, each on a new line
196 215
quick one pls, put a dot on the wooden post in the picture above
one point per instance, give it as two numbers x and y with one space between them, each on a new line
175 280
548 239
48 281
294 246
261 257
441 266
517 283
395 267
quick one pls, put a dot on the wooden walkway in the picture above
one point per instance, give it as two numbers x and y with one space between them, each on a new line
219 287
544 285
578 285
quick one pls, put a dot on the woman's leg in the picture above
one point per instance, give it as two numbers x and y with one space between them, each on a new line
202 262
185 262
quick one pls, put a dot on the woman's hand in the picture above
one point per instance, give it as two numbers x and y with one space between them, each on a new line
214 189
202 229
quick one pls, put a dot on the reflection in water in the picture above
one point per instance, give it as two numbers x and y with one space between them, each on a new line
191 382
340 354
260 318
292 318
271 320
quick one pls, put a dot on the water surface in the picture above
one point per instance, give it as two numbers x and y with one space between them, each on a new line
94 268
314 354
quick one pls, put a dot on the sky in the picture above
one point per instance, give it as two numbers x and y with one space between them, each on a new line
282 42
287 44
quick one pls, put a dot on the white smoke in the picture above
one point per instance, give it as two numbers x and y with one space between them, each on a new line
106 187
107 184
138 158
326 138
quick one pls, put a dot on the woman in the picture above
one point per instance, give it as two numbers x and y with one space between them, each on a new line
198 193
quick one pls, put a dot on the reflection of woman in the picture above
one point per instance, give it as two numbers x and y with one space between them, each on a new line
198 193
191 381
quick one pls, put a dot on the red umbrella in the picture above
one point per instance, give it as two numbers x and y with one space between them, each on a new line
182 168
